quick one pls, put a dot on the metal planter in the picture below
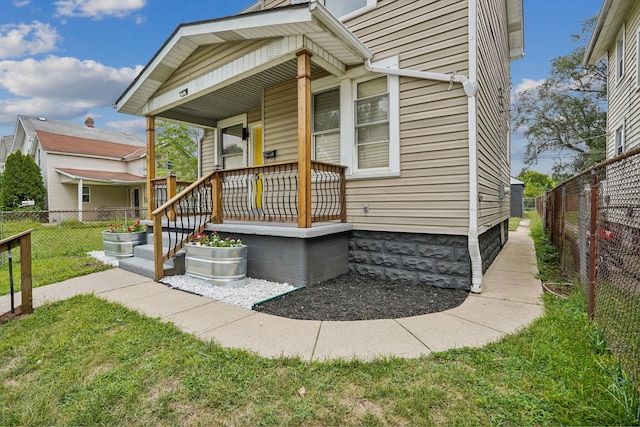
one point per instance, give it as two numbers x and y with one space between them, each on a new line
120 245
225 267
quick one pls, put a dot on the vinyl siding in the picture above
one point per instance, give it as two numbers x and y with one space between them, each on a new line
280 121
493 113
431 196
207 155
270 4
208 58
624 97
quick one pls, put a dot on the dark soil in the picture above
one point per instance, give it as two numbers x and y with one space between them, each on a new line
353 297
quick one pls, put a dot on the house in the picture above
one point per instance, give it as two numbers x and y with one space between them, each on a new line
616 37
83 168
6 143
370 135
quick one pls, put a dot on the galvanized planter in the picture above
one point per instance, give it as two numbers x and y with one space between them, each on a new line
120 245
225 267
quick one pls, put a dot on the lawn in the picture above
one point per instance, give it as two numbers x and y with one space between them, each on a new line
58 252
85 361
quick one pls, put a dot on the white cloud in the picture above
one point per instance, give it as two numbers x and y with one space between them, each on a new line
21 3
59 87
136 126
98 9
19 40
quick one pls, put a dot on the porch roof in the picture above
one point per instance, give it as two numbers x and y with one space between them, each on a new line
96 177
236 86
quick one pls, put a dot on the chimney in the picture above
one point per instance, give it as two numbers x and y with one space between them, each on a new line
89 122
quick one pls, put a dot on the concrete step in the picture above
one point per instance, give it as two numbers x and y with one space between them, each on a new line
167 237
142 263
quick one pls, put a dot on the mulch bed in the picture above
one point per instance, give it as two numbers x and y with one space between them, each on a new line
353 297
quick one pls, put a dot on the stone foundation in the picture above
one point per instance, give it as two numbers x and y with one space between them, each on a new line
435 260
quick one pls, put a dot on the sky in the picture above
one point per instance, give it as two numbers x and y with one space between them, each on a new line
69 59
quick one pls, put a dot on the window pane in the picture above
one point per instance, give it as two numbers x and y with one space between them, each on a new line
235 161
327 148
374 109
342 7
373 156
326 110
372 87
378 133
232 140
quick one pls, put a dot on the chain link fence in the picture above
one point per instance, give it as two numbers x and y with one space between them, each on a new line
60 242
594 223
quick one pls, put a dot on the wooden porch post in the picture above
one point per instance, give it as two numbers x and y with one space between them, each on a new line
151 162
304 139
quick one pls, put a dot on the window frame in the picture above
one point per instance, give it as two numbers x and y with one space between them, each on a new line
87 195
620 55
240 119
619 146
348 112
325 132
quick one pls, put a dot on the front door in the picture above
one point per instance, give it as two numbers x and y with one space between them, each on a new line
135 201
256 160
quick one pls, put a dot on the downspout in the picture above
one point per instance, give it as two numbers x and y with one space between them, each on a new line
473 240
470 86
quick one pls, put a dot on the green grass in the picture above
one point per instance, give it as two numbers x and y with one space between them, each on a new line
85 361
57 252
513 223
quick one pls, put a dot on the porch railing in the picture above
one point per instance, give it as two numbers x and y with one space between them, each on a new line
23 241
261 193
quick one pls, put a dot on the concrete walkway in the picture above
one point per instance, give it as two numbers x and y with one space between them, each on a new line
509 301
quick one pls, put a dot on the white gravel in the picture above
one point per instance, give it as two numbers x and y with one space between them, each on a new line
256 290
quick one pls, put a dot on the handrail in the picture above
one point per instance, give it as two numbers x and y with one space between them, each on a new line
259 193
22 240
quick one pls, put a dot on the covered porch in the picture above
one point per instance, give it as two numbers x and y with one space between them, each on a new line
212 71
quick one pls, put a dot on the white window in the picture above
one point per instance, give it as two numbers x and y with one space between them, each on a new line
620 56
372 124
86 194
326 126
346 9
232 137
619 140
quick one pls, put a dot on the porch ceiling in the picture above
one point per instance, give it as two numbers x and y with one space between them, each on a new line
237 86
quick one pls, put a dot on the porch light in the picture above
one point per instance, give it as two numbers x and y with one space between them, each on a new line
184 92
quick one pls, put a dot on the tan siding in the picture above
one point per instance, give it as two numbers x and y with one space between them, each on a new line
493 112
280 121
254 116
208 149
208 58
432 194
624 97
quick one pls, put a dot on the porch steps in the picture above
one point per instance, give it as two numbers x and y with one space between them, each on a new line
142 260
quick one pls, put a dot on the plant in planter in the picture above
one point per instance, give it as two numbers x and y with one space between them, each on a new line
120 239
218 261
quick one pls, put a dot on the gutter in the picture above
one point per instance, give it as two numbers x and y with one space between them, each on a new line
470 86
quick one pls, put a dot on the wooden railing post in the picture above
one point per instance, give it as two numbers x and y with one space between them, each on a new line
25 274
151 163
158 254
171 192
304 139
216 199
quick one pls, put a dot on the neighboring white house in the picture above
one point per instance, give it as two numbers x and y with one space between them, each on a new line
616 37
83 168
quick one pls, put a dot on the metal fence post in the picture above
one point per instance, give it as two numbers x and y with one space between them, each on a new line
593 240
563 212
